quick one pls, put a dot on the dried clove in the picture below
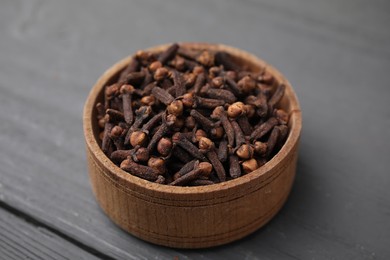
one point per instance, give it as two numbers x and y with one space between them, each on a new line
168 54
249 165
167 122
162 95
145 57
207 146
178 83
283 132
260 148
106 143
142 171
158 164
140 115
236 109
140 154
148 100
226 60
119 155
186 168
181 154
217 82
271 143
266 78
127 91
238 134
114 115
100 110
234 169
206 58
222 94
147 79
217 132
132 67
184 143
247 84
260 102
138 138
191 117
152 122
206 123
277 96
164 146
204 168
208 102
232 85
244 124
281 116
223 151
179 63
188 100
190 122
175 108
116 137
109 93
199 133
214 71
134 78
220 113
161 74
245 151
154 66
263 129
200 79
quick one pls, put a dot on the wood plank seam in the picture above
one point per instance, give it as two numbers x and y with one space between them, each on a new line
33 221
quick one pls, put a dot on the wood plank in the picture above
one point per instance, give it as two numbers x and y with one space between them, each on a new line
21 239
335 54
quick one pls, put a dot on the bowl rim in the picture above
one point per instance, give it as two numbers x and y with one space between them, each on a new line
93 146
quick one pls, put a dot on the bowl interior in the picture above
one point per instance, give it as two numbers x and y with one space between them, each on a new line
248 62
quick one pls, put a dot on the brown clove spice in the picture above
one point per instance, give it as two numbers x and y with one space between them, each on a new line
208 103
207 147
186 168
223 151
206 123
162 95
168 54
222 94
142 171
204 168
191 117
263 129
234 169
184 143
167 122
220 113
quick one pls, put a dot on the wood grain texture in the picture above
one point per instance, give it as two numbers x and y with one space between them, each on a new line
335 53
21 239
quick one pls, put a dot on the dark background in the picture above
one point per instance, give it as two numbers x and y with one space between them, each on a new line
335 53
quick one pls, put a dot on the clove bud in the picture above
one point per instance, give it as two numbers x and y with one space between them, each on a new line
188 117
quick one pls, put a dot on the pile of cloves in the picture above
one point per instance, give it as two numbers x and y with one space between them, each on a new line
191 117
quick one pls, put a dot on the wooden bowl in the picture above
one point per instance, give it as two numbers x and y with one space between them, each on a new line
192 217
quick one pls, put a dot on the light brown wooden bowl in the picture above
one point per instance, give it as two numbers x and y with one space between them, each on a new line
192 217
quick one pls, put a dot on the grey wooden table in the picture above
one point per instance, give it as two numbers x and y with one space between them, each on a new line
335 53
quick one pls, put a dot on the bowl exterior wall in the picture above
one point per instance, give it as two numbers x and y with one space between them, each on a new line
214 221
